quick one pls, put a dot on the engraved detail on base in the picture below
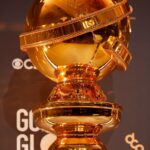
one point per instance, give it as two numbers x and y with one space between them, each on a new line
78 137
76 110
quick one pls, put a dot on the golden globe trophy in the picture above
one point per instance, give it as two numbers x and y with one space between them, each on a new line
76 43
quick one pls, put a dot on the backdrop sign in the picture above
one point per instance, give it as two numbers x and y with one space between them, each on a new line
22 87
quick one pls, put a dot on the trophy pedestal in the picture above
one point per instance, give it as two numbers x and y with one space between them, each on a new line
82 144
78 137
77 125
76 111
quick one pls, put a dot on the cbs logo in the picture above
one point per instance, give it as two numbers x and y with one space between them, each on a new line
133 142
19 64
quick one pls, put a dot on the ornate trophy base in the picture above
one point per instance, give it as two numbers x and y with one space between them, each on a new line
83 144
81 137
105 114
76 111
78 125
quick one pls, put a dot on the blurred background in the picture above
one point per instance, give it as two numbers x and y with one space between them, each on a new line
22 87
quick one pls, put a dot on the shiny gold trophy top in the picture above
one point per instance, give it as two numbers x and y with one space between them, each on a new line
76 43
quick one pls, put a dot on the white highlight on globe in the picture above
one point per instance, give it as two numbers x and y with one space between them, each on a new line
47 141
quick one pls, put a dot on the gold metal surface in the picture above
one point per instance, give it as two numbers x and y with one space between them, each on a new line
105 114
53 42
75 43
104 58
75 27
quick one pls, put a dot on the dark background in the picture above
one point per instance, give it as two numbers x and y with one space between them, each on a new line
27 88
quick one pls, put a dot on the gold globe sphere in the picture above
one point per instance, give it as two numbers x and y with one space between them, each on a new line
75 32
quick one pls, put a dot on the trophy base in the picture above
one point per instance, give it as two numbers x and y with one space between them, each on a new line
77 125
76 111
87 143
74 136
105 114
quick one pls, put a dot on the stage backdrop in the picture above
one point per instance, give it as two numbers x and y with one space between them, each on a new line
22 87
